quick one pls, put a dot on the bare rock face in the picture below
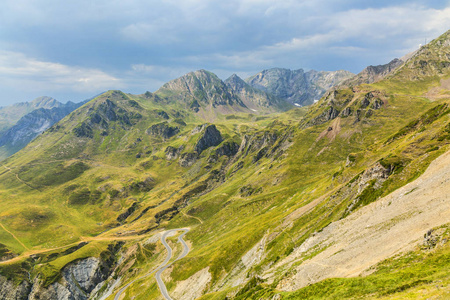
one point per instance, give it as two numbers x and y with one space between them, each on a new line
198 89
78 281
9 290
377 172
173 153
163 130
297 86
211 137
254 98
188 159
227 149
330 113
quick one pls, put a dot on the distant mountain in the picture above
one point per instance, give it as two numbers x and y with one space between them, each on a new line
297 86
34 123
332 201
255 99
201 90
373 73
204 93
9 115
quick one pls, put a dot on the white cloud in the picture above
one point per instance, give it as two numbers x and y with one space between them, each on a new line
42 75
147 42
386 31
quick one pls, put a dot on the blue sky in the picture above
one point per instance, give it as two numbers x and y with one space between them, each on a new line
73 50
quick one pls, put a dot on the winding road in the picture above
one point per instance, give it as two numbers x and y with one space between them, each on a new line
164 265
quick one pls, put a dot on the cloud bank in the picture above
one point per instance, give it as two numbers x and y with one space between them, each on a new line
75 49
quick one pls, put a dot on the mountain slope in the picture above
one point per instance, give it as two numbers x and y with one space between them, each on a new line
297 86
201 91
373 74
392 225
86 202
9 115
255 99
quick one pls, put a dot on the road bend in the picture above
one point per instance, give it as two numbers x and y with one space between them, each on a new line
164 265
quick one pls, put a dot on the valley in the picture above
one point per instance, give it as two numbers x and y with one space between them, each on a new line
211 189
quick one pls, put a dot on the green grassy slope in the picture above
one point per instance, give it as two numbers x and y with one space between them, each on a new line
125 166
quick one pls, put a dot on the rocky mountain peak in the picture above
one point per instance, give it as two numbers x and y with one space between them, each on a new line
198 89
190 82
235 80
45 102
236 83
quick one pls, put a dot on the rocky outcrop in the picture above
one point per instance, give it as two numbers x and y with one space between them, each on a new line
378 173
123 216
162 114
79 280
210 137
328 114
10 291
163 130
270 144
346 112
172 153
297 86
371 101
227 149
188 159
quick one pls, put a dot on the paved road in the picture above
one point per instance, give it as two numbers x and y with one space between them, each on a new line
164 265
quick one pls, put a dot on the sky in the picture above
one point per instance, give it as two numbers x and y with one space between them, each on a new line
74 50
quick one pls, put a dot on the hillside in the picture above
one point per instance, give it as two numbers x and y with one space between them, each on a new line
373 74
318 202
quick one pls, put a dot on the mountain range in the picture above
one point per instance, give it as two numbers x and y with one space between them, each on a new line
9 115
32 124
22 122
297 86
257 198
